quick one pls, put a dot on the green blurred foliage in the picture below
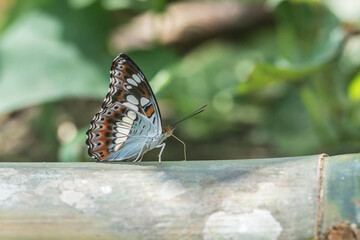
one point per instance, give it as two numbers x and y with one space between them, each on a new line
291 86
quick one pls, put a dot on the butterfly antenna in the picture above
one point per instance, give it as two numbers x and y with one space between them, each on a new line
182 143
196 112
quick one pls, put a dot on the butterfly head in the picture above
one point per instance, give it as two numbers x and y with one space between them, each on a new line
168 130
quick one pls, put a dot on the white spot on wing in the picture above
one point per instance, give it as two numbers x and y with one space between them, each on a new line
123 131
132 82
120 140
132 99
117 147
127 120
131 106
128 87
120 135
144 101
131 115
117 73
136 78
122 126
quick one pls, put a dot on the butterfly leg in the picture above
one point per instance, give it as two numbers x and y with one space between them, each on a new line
139 159
162 146
140 155
182 144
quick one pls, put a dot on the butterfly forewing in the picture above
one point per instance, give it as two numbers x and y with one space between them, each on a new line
129 114
129 86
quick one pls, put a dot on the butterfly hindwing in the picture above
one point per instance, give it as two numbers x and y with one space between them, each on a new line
136 140
109 129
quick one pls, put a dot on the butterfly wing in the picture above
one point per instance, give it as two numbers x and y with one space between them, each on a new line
118 128
129 115
129 86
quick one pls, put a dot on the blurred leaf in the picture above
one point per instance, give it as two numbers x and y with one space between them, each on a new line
73 150
286 127
116 4
158 5
309 37
274 3
19 8
86 28
319 114
160 81
210 74
80 3
37 66
45 126
5 8
265 74
126 4
354 88
154 60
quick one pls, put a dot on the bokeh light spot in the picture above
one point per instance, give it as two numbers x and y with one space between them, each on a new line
66 131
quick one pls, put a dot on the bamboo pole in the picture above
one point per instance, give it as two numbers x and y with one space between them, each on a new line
228 199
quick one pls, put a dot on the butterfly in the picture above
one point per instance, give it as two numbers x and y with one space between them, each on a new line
129 122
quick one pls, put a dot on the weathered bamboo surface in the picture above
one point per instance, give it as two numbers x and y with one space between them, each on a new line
229 199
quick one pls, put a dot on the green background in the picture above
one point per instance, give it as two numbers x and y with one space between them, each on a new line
285 83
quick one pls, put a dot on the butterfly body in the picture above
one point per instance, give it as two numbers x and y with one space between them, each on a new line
129 121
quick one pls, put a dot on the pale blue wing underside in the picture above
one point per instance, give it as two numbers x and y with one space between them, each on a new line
130 151
142 128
